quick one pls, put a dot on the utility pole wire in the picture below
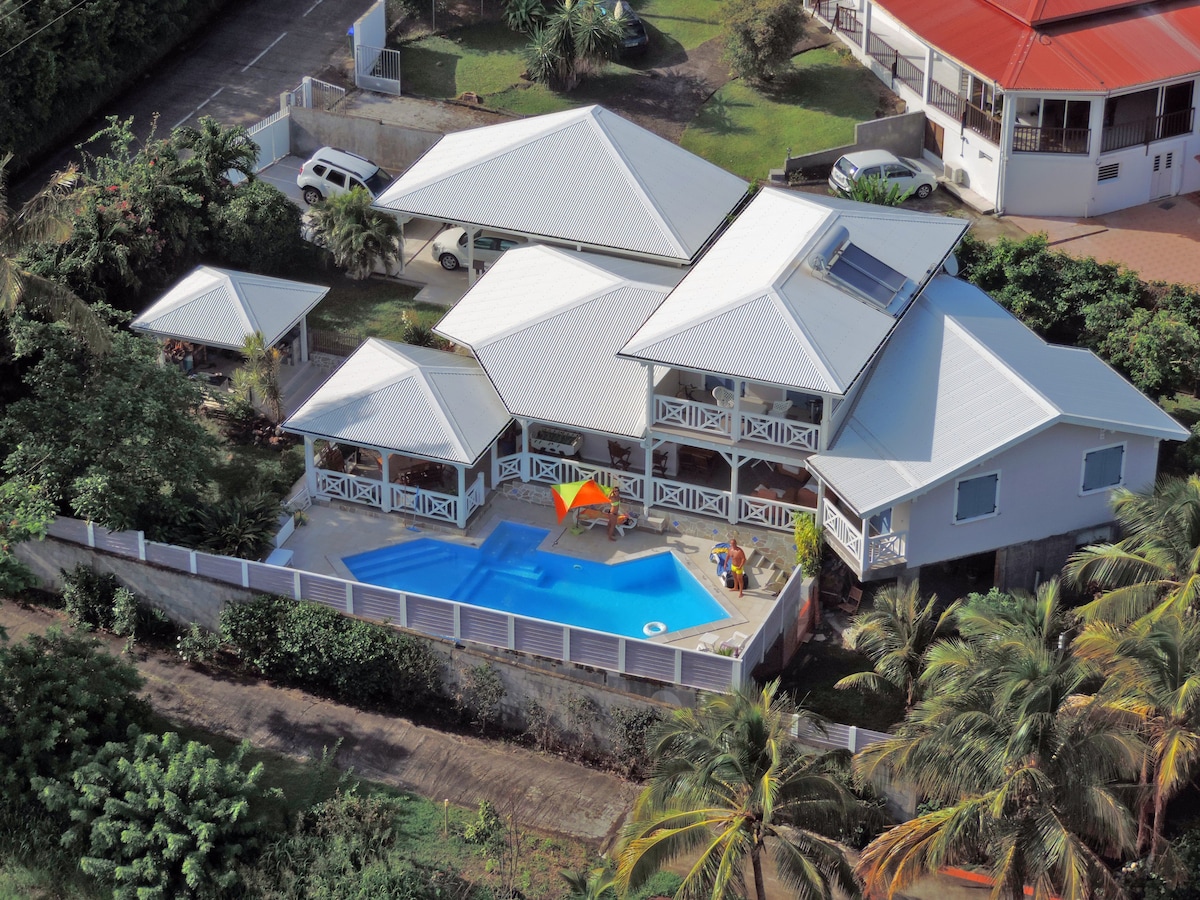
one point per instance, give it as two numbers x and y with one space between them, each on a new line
43 28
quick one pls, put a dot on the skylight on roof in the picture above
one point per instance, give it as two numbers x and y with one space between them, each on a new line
872 279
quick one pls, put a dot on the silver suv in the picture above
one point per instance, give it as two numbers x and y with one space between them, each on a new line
332 171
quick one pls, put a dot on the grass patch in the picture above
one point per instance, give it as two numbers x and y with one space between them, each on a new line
812 107
1183 407
372 308
811 678
484 58
682 23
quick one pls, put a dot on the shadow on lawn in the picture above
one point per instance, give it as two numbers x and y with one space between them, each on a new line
839 90
716 116
429 73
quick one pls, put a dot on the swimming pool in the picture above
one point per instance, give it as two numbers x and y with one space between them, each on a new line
509 573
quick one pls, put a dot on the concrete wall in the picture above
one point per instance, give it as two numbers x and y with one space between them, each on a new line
1039 494
1024 566
903 134
394 147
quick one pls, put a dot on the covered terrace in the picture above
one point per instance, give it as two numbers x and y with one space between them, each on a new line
402 428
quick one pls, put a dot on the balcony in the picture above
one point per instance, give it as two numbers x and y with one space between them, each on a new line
857 546
1032 139
903 69
1146 131
752 422
840 19
968 114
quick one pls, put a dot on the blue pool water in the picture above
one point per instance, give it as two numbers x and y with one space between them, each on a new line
508 573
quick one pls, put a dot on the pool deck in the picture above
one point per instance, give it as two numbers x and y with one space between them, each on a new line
334 532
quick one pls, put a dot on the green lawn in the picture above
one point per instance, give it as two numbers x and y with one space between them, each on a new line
813 107
372 308
676 25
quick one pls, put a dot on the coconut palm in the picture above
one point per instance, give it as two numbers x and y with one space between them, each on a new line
729 786
45 217
1155 568
591 884
216 151
1153 675
259 378
358 236
577 34
896 634
1026 772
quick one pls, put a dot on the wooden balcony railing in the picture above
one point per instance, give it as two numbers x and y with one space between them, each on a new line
1145 131
902 69
971 116
1032 139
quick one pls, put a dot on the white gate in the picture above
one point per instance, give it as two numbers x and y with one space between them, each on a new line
377 69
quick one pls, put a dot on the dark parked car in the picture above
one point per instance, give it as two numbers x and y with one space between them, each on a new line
636 40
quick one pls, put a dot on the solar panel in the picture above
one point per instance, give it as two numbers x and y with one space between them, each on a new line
867 276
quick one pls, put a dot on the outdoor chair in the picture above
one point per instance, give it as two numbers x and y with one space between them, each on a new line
724 396
618 455
736 643
660 463
780 407
853 601
593 517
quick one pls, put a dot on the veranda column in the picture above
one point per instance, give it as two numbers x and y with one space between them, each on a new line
462 495
385 490
826 415
304 339
734 468
310 467
928 74
524 450
648 441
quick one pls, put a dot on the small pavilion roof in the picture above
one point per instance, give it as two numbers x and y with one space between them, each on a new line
221 308
585 177
414 400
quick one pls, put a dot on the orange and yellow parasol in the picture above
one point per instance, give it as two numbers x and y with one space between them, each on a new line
577 493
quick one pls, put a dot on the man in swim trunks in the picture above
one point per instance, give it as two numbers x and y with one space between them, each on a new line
737 565
614 511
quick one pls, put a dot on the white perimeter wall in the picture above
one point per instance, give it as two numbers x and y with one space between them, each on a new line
1039 495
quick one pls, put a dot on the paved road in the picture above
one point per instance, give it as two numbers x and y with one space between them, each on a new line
234 70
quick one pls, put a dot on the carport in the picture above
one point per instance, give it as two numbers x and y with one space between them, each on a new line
584 179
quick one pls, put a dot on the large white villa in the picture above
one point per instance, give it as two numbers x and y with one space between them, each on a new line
737 360
1043 107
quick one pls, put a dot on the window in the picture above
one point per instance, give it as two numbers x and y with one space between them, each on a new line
1108 172
1103 468
975 498
881 522
355 183
336 177
897 171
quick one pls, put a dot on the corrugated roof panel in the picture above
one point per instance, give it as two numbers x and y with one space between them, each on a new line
812 334
1138 44
629 189
409 399
221 308
960 380
546 325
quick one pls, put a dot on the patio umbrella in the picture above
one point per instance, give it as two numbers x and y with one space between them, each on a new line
577 493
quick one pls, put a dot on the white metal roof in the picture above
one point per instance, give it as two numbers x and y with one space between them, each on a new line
221 308
584 176
960 381
752 309
414 400
546 325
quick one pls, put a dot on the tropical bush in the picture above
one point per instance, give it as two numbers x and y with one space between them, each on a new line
479 695
809 539
573 37
359 236
524 15
631 735
877 190
258 229
760 35
197 645
320 649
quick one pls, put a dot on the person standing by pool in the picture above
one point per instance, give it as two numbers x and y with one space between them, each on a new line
737 565
614 511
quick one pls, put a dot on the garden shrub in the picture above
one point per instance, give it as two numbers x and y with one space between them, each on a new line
479 695
258 230
808 536
322 650
198 646
88 596
240 526
631 731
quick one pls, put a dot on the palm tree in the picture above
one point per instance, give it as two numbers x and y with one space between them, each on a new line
896 634
260 376
358 236
595 883
1153 675
578 34
216 151
45 217
1025 770
730 784
1155 568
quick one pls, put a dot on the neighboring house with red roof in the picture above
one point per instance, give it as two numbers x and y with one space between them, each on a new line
1043 107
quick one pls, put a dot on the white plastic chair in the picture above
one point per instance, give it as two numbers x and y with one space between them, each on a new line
780 407
724 396
736 643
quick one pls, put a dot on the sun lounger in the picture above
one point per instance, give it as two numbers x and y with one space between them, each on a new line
593 517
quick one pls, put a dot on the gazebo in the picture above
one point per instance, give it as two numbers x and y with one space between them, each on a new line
397 419
221 308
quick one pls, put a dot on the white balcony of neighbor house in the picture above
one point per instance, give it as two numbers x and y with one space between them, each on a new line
1144 117
866 545
726 412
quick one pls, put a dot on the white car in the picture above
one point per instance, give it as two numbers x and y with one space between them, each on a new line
450 248
907 173
332 171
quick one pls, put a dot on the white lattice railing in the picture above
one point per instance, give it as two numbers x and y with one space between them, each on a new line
769 513
884 549
349 487
780 431
692 414
430 504
633 484
475 494
843 530
691 498
506 468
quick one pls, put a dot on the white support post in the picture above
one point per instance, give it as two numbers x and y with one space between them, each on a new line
457 621
864 549
524 449
91 533
853 739
462 496
566 643
512 633
471 233
735 426
142 546
867 7
350 597
678 666
826 415
192 561
304 339
310 467
621 656
296 585
385 489
245 574
925 89
734 470
738 667
404 611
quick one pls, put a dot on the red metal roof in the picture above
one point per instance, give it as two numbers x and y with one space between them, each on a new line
1089 52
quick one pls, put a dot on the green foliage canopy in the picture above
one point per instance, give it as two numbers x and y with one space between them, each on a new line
760 35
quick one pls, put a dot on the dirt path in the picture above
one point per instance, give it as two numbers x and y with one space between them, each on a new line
543 792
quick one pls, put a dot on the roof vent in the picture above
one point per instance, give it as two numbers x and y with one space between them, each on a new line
827 248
